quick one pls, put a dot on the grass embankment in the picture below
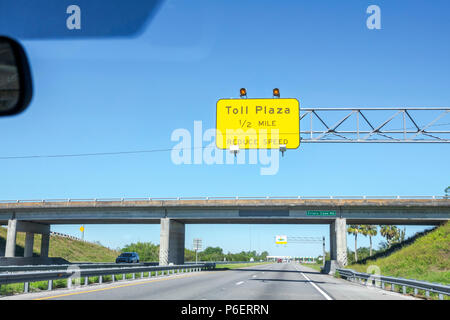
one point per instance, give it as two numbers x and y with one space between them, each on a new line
69 249
427 258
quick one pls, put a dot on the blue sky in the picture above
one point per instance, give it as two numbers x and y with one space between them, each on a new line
126 94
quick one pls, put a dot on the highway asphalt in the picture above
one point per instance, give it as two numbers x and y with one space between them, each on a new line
277 281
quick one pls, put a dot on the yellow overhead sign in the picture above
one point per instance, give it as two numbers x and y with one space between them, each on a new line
281 240
257 123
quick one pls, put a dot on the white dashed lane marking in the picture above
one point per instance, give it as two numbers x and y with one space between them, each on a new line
315 286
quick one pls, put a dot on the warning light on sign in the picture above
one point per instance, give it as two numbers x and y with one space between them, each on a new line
276 92
243 92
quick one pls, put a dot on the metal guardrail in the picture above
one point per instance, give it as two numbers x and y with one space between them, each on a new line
53 267
381 281
230 198
107 265
74 272
59 234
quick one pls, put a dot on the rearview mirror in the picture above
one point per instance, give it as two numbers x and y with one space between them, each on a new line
15 78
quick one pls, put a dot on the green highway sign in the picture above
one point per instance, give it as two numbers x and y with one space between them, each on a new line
321 213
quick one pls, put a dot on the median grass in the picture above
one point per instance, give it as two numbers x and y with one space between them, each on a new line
239 265
315 266
427 258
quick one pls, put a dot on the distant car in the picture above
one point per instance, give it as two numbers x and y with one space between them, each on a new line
128 257
279 260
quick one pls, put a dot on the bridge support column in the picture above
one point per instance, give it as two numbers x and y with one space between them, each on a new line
45 244
338 246
10 250
29 242
171 244
30 228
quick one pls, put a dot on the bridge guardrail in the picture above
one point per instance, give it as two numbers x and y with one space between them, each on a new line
431 197
381 281
50 276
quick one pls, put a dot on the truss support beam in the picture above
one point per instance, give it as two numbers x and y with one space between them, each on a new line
379 125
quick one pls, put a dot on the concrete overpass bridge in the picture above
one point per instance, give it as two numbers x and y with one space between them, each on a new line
36 216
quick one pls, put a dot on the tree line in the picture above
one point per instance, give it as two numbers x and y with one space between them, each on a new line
392 234
217 254
150 252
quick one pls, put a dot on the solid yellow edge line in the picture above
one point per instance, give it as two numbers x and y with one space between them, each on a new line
115 287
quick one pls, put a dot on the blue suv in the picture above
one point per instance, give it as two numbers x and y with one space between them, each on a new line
128 257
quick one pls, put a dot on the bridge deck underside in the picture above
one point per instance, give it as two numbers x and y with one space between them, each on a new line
425 222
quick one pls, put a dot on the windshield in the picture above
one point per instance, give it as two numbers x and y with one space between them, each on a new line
126 255
170 128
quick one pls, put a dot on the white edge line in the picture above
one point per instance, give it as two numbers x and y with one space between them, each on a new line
239 283
317 287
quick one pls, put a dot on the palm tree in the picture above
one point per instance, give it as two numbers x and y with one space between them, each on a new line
389 232
371 231
355 229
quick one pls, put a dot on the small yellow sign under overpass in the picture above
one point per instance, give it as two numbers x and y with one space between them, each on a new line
257 123
281 240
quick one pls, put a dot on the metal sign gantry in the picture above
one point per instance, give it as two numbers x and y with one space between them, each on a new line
375 125
291 239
